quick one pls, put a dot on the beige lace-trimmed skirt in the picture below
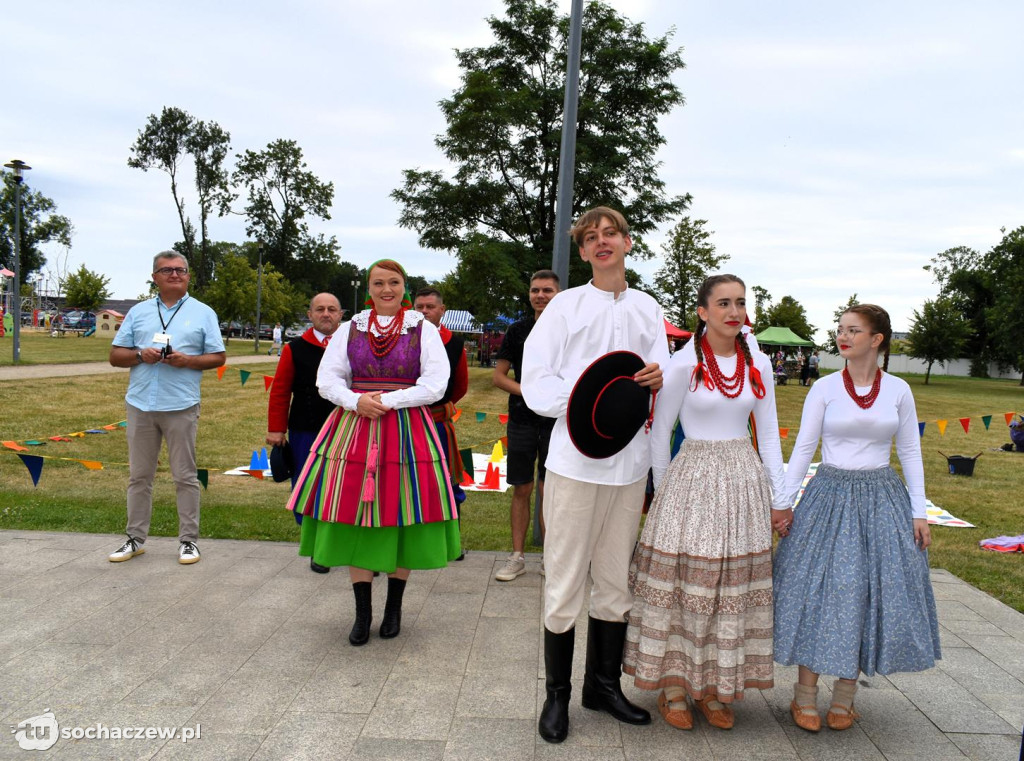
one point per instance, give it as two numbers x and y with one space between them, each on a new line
701 576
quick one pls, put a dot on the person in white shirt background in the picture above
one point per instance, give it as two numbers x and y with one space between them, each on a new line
852 590
701 625
592 507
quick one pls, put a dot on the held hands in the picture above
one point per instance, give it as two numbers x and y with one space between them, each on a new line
175 359
650 376
782 520
922 534
369 405
275 438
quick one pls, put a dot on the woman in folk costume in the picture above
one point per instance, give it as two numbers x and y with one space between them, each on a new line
701 623
375 492
852 591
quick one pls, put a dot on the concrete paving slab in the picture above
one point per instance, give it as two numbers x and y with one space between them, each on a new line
253 647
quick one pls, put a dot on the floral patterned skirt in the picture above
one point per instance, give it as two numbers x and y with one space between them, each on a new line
701 576
852 591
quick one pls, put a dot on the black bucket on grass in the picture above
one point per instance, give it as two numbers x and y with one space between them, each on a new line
961 465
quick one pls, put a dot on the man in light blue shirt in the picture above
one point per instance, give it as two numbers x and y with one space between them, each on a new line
167 342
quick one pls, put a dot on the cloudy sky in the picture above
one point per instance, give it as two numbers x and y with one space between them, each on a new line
833 148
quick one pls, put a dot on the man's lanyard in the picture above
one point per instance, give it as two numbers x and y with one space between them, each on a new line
160 314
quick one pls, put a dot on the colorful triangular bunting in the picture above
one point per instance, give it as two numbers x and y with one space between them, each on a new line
14 445
942 426
34 465
966 423
920 429
268 381
1008 416
503 419
204 477
457 415
481 416
783 433
987 420
467 459
92 464
496 453
244 375
220 371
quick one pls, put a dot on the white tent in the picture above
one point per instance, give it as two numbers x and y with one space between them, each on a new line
460 321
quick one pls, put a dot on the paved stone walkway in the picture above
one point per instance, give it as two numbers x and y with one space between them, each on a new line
24 371
252 646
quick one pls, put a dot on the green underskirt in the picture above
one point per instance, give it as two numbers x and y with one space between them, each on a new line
417 547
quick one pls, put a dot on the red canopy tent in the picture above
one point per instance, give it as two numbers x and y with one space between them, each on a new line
676 333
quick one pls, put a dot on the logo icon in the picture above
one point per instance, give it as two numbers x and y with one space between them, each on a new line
38 732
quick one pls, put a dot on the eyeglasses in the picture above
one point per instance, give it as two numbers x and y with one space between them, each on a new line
851 332
182 271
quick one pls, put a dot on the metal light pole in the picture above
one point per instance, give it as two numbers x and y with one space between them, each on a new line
259 294
567 157
355 297
18 166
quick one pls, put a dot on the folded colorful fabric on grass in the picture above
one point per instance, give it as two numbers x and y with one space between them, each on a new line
1004 544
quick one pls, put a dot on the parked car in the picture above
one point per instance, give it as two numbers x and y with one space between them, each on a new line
297 329
232 329
266 332
76 318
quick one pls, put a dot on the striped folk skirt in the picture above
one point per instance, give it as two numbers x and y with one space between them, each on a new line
852 590
701 576
376 494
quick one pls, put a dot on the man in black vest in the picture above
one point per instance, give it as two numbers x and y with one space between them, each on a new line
430 304
295 403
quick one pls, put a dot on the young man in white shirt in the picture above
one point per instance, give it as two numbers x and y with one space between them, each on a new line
592 507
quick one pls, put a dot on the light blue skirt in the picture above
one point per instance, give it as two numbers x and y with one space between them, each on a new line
852 592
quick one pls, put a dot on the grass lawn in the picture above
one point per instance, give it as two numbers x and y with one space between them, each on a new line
71 498
38 348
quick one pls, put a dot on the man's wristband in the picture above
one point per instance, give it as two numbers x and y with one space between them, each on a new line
138 355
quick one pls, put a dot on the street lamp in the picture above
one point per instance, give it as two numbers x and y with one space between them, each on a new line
355 297
259 294
18 166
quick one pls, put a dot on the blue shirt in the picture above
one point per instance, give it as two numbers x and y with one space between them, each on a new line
193 329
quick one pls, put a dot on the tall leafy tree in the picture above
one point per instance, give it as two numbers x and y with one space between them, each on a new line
40 224
232 293
830 345
281 193
504 131
938 333
689 257
1005 318
165 144
762 302
790 313
963 278
86 289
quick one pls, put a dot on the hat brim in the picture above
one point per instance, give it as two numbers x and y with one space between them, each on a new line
281 462
607 407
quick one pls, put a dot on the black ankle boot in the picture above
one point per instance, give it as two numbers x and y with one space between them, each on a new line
554 716
602 690
392 621
360 633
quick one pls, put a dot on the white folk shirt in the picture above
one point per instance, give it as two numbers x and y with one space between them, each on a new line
577 327
334 378
857 439
708 415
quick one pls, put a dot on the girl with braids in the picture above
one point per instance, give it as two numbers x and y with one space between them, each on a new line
852 591
701 576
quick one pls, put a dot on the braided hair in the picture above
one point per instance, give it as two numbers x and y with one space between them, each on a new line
703 298
879 321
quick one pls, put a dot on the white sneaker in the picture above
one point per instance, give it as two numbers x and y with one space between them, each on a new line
126 551
188 553
514 567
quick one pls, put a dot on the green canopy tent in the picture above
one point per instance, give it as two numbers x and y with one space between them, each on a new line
781 337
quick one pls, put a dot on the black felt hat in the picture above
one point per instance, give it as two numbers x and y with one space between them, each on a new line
281 462
607 407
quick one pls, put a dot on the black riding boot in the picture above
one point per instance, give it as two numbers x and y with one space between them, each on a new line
554 716
360 633
392 621
602 690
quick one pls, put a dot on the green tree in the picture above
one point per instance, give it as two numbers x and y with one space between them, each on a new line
830 345
40 224
762 302
1005 318
504 131
938 333
964 278
281 193
165 143
689 257
789 313
86 289
480 283
232 293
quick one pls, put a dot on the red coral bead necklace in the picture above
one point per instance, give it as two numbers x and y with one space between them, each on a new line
731 386
864 402
386 338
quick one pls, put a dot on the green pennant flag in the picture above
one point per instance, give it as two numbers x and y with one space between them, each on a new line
244 374
481 416
204 477
986 419
467 459
34 443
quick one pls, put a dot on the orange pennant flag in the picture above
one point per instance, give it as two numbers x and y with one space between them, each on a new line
783 433
220 371
15 446
504 442
59 438
966 423
457 415
942 426
256 474
92 464
111 427
268 381
1008 416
